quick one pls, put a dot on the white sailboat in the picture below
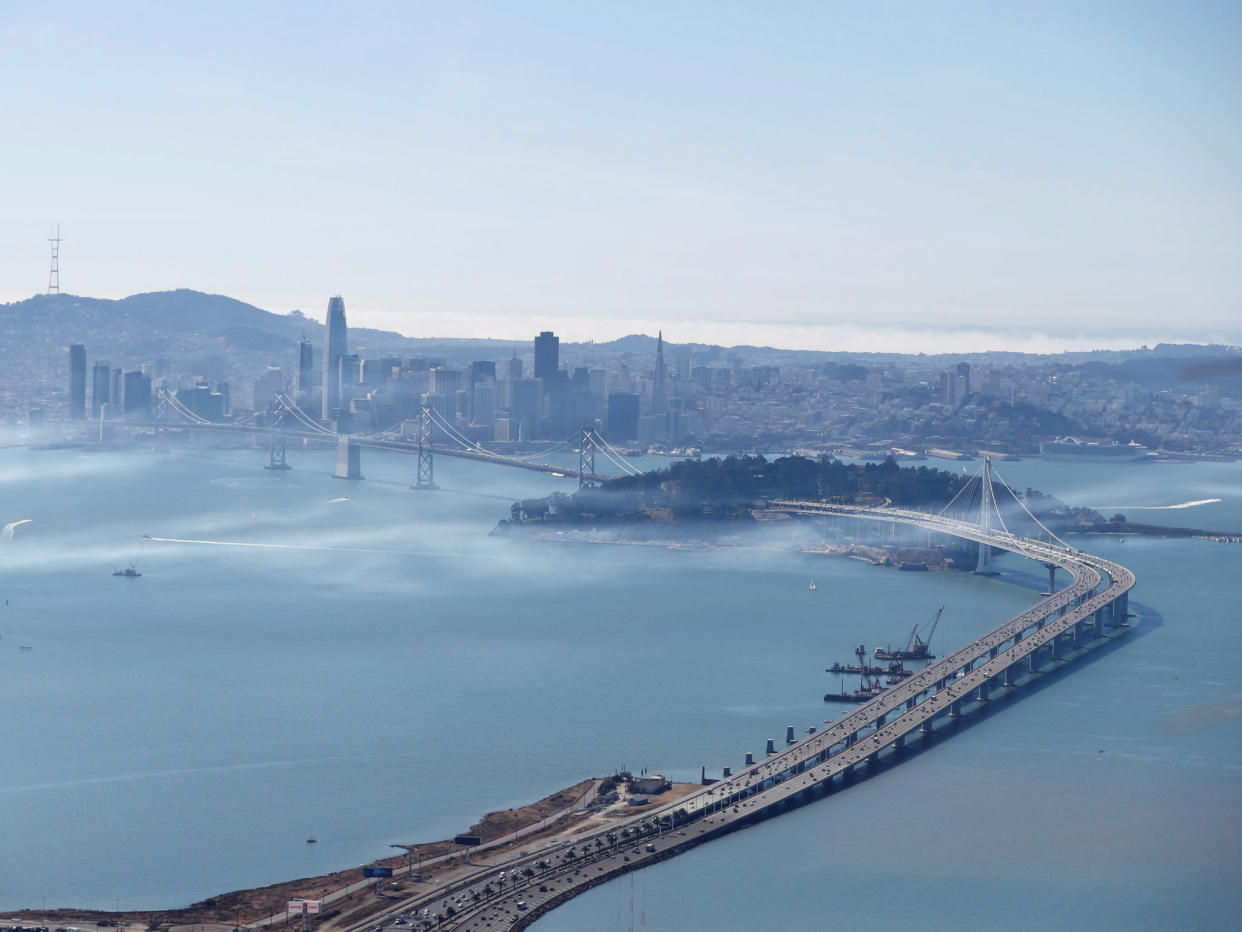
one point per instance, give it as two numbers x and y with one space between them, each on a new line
813 587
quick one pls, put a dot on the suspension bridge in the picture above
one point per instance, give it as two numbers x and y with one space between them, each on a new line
1062 627
436 436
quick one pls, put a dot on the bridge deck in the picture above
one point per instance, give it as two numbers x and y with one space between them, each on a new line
816 760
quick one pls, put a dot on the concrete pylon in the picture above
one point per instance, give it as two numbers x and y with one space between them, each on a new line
348 460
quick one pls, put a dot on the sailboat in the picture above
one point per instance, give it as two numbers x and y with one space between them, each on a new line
812 586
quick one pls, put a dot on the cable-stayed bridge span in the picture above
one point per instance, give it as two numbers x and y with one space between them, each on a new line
1058 629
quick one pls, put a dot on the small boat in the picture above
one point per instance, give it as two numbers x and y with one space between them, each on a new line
813 587
129 572
311 841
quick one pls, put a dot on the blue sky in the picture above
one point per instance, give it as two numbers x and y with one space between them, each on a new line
829 175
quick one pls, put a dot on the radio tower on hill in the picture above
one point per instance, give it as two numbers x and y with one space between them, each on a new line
53 277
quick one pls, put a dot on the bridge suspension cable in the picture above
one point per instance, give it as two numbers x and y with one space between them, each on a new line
171 401
302 417
612 454
979 503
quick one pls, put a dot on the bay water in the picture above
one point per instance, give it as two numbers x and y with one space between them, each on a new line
360 663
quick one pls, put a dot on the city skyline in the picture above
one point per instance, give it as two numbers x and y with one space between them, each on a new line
835 179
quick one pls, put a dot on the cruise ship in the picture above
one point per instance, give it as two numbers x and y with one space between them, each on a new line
1071 448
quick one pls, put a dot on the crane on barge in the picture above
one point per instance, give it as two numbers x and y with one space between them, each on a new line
915 648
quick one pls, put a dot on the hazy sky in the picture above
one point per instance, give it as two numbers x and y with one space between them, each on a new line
827 175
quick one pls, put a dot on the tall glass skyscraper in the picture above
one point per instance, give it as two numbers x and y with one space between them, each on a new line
77 381
335 346
547 355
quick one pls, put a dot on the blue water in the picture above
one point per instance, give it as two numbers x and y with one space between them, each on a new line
387 672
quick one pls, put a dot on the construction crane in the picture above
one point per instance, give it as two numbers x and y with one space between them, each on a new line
887 653
916 648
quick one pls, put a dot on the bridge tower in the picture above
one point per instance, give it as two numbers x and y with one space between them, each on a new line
426 466
586 460
276 450
987 507
159 420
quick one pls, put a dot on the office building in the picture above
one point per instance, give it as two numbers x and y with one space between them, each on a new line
306 369
547 355
622 416
77 381
482 371
101 387
446 380
335 348
484 404
266 388
659 389
524 409
136 392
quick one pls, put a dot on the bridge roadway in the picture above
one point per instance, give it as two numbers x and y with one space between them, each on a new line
1096 597
397 445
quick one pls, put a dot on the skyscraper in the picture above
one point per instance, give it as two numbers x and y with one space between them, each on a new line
622 416
306 367
659 388
335 346
77 381
547 355
101 385
136 392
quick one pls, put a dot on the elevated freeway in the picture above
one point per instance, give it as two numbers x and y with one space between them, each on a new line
1092 607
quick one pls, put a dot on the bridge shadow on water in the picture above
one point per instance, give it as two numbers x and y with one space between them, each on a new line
1147 621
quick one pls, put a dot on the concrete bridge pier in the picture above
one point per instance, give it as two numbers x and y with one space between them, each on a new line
750 759
1052 644
982 694
789 734
348 460
910 704
771 748
1076 630
900 742
881 721
1008 681
1032 661
955 708
1052 577
1101 620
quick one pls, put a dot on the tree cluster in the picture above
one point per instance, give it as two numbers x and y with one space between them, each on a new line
728 489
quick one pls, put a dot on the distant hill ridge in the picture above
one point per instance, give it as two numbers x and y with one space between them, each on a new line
143 318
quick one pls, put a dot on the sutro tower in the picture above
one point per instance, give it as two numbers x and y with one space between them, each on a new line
53 277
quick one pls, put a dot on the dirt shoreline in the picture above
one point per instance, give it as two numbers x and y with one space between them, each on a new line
239 907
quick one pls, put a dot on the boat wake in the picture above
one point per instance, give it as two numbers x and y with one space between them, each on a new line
11 528
1177 507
